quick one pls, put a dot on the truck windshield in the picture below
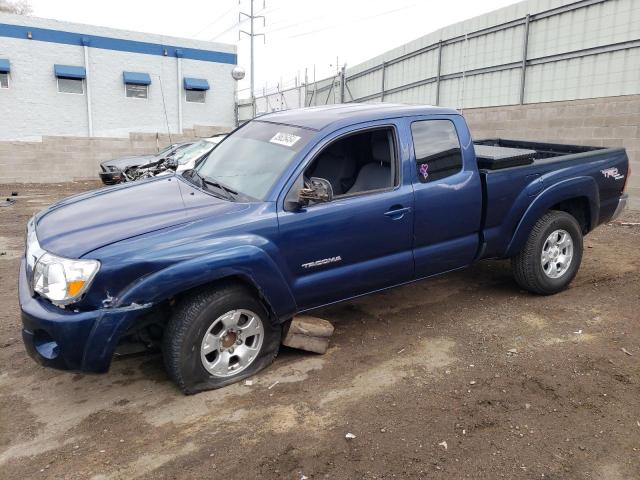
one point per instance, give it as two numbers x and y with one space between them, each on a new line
251 159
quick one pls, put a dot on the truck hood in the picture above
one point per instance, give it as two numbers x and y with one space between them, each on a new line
82 223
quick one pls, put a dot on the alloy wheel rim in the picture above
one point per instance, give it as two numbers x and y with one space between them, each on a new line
557 253
232 343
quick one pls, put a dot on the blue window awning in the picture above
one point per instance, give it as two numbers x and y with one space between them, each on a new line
196 84
69 71
5 66
136 78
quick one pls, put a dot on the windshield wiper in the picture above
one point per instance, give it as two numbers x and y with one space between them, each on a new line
229 193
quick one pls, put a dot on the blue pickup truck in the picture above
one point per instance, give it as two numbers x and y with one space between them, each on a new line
293 211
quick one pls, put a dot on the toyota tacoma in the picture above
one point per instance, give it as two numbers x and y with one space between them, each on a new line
296 210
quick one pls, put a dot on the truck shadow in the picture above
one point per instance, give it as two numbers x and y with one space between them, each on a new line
482 279
427 300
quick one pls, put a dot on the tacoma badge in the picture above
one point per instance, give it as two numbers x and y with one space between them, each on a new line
324 261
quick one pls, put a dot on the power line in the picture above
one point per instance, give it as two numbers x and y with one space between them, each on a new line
235 25
295 24
209 25
336 25
279 39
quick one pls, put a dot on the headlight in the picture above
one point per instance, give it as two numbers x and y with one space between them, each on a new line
63 280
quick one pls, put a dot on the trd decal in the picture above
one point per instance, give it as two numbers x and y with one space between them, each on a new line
324 261
612 173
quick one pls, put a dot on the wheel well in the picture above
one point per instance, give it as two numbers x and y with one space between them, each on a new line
149 329
233 280
579 209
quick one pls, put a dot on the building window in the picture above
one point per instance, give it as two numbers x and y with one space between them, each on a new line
195 89
5 68
437 149
70 78
136 91
70 85
136 84
196 96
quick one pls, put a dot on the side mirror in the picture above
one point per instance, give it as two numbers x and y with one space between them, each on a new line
317 190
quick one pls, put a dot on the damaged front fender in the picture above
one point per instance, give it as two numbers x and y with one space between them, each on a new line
248 262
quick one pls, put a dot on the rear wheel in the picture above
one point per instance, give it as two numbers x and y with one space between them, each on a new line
552 255
218 337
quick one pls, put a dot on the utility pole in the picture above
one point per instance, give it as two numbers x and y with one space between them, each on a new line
337 66
343 76
251 33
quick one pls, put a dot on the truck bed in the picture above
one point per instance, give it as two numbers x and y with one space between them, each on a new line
512 178
500 153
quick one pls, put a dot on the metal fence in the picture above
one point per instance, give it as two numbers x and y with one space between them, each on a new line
582 49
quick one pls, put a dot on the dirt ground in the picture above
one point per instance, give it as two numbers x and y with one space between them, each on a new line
461 376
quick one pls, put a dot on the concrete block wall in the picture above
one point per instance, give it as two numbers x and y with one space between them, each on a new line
607 122
604 122
65 158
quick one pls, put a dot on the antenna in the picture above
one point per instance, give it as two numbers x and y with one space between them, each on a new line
251 34
164 106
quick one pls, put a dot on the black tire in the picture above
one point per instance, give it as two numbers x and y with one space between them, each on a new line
527 266
190 321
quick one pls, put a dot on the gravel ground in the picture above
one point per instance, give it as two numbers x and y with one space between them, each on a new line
461 376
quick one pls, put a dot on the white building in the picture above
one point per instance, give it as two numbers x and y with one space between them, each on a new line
59 78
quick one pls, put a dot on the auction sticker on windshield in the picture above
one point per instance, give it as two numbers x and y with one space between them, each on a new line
286 139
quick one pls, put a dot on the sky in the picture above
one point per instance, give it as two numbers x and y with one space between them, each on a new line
299 34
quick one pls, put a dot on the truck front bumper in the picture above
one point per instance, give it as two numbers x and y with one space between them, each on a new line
67 340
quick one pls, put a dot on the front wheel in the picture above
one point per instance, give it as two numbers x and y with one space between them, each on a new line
552 255
218 337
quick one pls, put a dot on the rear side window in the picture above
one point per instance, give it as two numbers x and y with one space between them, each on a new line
437 149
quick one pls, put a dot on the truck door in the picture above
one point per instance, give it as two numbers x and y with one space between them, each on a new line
448 195
362 240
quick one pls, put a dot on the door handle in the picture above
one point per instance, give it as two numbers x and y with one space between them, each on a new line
397 212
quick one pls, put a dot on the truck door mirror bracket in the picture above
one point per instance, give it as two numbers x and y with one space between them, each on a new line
316 190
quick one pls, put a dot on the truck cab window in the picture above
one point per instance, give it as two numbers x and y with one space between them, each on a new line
357 163
437 149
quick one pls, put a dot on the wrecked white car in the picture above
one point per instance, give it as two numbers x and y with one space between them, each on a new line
175 158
